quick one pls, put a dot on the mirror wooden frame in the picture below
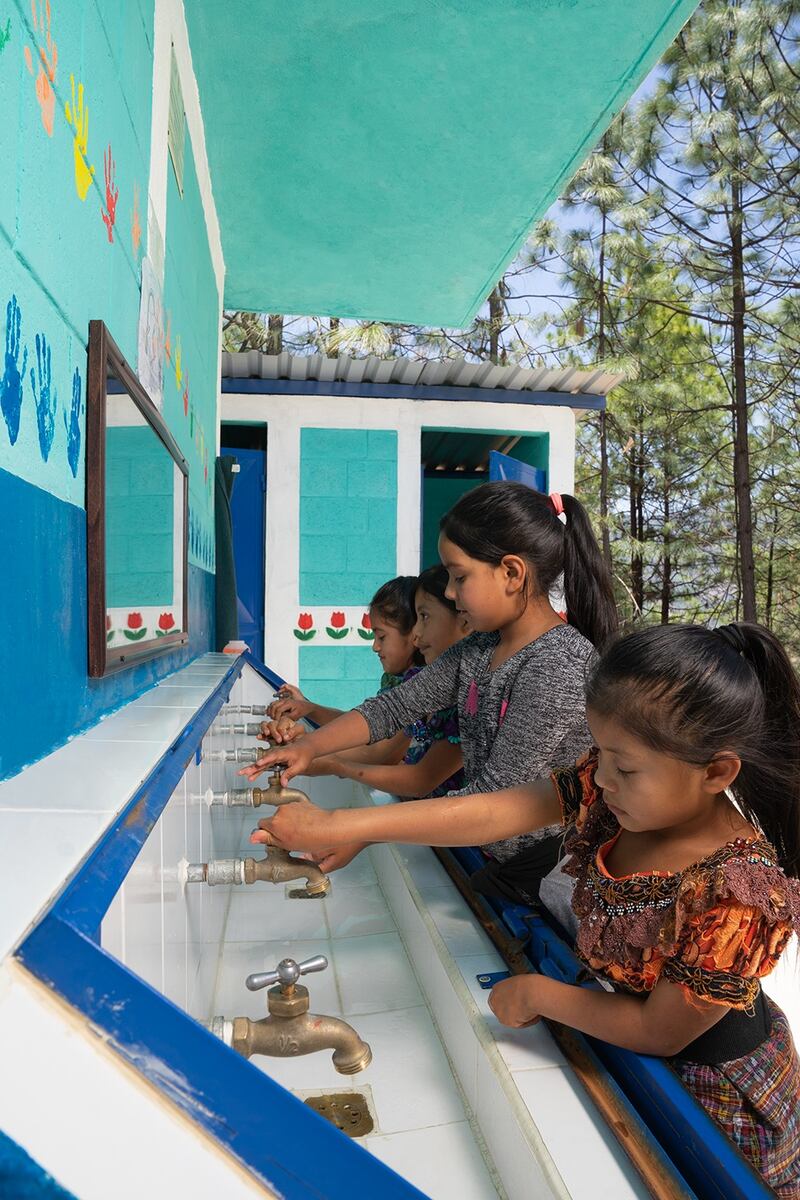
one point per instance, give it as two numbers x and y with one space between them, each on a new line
104 354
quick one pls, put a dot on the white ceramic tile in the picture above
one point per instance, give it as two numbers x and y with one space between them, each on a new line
144 913
422 865
256 915
201 985
175 696
55 843
443 1162
112 930
240 959
521 1049
408 1061
455 922
353 912
526 1173
374 974
559 1107
81 776
132 724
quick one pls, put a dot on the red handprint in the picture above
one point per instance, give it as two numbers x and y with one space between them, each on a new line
112 194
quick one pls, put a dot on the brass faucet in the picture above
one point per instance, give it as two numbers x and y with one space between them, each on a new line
277 866
290 1029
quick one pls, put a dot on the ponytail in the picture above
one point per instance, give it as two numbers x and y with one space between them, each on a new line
588 589
695 693
496 519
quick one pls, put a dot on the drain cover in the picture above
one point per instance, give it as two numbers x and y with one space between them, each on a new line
348 1111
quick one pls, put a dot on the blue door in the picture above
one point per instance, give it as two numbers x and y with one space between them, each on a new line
503 466
249 527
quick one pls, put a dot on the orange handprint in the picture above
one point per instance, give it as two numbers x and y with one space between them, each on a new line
78 118
112 194
47 66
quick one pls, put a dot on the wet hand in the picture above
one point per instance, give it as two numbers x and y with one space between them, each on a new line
336 857
290 703
294 759
300 825
513 1001
281 731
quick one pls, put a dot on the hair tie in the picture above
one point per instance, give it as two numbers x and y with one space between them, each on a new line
733 637
557 503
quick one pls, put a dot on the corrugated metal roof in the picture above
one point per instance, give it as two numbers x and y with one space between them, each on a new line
451 372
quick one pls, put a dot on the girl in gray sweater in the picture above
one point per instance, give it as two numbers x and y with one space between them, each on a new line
519 680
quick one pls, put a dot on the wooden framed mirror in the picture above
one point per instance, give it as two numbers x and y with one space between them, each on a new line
137 518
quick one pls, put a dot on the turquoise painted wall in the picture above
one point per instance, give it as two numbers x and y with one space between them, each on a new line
339 676
348 547
348 514
438 495
76 96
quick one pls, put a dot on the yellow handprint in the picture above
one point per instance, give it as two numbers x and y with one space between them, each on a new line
178 371
78 118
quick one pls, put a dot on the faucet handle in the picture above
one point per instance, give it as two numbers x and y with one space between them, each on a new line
286 973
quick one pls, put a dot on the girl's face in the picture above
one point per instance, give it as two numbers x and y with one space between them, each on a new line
488 597
437 628
394 648
647 790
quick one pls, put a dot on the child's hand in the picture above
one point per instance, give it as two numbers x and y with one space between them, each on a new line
281 731
290 703
296 826
336 857
296 759
513 1001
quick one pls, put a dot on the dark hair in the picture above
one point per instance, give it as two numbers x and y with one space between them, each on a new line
694 693
434 581
395 601
497 519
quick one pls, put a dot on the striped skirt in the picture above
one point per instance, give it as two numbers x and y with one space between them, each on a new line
756 1101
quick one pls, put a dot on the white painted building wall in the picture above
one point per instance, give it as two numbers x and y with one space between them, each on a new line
286 415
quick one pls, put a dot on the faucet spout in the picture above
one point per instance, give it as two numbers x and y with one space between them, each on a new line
278 866
284 1037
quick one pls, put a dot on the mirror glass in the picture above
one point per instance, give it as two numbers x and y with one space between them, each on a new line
144 525
137 527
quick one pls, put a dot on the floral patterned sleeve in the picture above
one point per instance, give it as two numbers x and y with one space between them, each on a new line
723 948
576 788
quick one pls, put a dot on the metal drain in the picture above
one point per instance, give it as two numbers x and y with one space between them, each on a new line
348 1111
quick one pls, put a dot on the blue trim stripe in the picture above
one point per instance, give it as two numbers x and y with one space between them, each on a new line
296 1153
404 391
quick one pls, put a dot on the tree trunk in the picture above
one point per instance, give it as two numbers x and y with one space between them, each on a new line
635 488
741 443
601 353
274 333
333 351
495 323
666 569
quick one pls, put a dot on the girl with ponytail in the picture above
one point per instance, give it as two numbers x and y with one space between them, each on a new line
519 681
683 844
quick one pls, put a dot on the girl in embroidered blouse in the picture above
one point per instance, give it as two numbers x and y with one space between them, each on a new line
518 682
684 844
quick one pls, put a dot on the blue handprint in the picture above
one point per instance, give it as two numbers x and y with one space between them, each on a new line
73 424
45 396
11 383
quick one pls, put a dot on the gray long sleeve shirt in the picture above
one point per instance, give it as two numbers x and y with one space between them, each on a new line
517 723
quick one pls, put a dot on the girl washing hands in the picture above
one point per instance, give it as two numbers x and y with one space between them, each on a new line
684 844
518 683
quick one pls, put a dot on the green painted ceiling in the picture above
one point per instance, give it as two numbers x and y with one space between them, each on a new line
386 158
